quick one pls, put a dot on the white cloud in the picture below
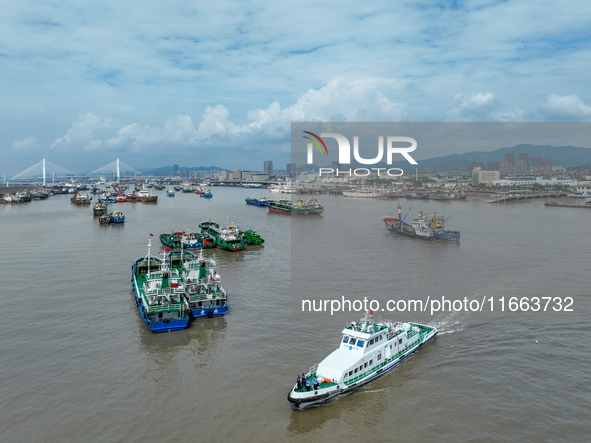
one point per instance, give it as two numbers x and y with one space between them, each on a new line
565 108
83 132
355 100
339 100
28 144
472 108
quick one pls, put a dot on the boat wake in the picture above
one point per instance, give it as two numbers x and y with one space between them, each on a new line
373 391
450 323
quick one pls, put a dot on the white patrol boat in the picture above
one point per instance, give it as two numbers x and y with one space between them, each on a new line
368 350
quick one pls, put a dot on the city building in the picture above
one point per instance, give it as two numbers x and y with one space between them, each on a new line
570 182
236 174
247 175
268 168
510 159
523 162
484 177
493 166
260 177
584 189
290 169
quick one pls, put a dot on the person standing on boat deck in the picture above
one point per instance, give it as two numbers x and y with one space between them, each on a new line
307 384
315 383
299 385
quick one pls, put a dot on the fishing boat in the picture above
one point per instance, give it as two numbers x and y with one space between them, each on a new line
99 208
80 199
417 196
145 196
107 199
256 202
445 196
170 192
426 226
117 217
290 207
191 240
314 207
228 238
105 219
159 293
9 198
206 194
251 237
187 240
367 350
23 196
203 291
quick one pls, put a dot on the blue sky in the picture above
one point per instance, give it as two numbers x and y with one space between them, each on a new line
201 83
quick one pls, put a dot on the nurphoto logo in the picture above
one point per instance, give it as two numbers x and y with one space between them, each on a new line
394 145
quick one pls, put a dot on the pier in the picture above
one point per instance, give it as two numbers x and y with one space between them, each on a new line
521 195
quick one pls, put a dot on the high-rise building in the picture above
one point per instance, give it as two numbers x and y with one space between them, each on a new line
291 170
493 166
268 168
523 162
509 163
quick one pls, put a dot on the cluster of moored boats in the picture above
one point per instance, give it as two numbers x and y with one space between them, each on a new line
179 285
229 237
100 210
24 196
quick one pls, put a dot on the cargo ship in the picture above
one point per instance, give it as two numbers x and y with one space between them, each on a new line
290 207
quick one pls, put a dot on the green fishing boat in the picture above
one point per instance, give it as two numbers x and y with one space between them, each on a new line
251 237
228 238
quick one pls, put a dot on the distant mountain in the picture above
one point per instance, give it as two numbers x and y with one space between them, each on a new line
566 156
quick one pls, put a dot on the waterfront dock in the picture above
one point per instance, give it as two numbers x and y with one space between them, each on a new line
520 196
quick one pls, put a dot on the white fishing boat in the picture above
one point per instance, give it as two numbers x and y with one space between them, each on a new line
368 350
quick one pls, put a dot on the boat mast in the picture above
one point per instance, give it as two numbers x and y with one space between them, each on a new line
149 255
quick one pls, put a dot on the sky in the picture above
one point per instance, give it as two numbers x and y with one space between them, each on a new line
202 83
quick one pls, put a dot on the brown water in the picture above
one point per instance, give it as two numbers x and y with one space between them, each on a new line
79 364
